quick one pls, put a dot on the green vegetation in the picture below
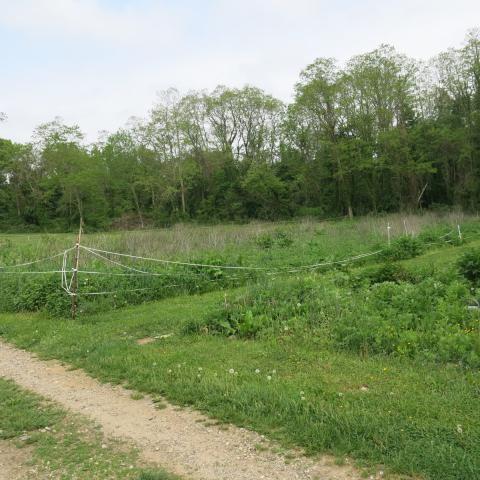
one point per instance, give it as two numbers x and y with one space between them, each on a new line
376 361
274 247
64 446
382 133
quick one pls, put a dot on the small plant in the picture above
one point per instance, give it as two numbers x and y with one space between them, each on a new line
403 248
469 266
389 272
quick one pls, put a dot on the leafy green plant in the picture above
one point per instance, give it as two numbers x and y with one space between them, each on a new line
404 248
469 266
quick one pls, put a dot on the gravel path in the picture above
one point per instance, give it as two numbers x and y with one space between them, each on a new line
175 439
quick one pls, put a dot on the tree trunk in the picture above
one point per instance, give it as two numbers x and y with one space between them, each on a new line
137 205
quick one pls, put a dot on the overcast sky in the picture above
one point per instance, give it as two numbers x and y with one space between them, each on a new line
98 62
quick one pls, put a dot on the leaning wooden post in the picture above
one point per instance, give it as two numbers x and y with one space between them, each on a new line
460 237
76 262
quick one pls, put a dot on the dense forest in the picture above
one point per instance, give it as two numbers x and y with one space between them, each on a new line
381 133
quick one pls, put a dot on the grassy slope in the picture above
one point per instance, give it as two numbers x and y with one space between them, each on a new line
407 419
64 446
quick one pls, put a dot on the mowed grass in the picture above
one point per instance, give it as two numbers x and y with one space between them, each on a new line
418 419
62 445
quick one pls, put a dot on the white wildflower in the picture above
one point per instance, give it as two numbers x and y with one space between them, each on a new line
231 371
257 371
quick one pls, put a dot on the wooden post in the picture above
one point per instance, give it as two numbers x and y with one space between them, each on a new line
388 232
459 233
76 262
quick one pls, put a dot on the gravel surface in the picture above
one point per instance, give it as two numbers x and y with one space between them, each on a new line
176 439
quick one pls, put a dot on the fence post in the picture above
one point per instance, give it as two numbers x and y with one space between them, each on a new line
388 232
459 233
76 262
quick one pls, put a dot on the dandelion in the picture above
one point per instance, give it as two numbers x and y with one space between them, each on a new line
231 371
302 398
340 394
269 377
299 305
459 429
200 369
302 394
169 370
198 375
257 371
274 372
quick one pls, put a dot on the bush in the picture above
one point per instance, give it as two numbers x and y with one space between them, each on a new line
403 248
469 266
263 309
429 320
279 238
388 272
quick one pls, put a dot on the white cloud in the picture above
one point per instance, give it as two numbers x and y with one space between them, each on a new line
96 63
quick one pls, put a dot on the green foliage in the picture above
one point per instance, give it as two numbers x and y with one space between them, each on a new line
237 154
428 319
388 315
403 248
469 266
279 238
399 412
388 272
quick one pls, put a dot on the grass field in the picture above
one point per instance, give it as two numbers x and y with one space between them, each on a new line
61 445
377 360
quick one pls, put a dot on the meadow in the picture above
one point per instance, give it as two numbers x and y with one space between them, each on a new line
375 359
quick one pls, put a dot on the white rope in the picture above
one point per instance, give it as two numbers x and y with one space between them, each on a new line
3 272
172 262
137 270
35 261
324 264
284 269
126 291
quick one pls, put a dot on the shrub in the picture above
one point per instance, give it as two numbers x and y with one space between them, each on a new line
388 272
403 248
263 309
469 266
280 239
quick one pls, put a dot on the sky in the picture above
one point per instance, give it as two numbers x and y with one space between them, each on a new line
96 63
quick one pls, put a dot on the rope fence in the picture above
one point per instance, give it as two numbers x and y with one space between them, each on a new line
70 275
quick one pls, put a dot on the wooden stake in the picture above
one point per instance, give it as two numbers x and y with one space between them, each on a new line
388 232
75 272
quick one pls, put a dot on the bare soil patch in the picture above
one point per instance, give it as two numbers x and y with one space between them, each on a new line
180 440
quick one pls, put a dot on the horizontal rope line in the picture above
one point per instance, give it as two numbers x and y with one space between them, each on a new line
125 291
30 273
36 261
173 262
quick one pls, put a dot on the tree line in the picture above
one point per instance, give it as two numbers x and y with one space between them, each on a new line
381 133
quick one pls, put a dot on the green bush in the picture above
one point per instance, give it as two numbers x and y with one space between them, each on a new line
386 315
429 320
469 266
388 272
263 309
404 248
